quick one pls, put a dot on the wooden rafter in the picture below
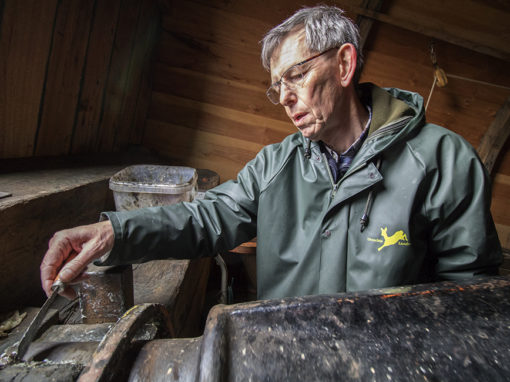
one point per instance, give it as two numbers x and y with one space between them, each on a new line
365 23
495 137
429 30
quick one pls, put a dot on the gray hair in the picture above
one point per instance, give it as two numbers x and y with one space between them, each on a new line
325 27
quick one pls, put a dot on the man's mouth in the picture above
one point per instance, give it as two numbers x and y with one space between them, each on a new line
298 117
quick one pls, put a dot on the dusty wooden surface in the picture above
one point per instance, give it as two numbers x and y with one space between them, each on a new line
44 200
28 185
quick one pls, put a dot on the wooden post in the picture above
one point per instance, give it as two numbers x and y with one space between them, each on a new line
495 137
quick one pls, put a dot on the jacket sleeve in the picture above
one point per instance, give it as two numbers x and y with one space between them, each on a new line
463 238
225 218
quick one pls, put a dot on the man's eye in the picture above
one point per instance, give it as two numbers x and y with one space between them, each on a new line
293 77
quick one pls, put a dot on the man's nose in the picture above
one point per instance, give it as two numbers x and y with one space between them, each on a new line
287 96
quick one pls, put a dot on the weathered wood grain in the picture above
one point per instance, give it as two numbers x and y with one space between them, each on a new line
212 24
218 119
482 23
180 50
63 80
25 37
95 75
149 36
200 149
220 91
118 76
145 39
271 14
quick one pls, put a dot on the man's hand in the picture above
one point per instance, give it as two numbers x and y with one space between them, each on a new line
71 250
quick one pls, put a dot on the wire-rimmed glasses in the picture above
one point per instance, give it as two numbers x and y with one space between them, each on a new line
292 78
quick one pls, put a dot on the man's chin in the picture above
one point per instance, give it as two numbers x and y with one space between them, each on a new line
307 132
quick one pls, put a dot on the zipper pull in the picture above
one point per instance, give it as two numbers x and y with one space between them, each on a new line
335 189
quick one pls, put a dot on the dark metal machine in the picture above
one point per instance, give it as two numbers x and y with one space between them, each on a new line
434 332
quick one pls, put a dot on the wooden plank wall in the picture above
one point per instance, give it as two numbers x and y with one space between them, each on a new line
74 75
209 110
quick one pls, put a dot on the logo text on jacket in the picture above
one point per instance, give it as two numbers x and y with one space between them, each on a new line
399 238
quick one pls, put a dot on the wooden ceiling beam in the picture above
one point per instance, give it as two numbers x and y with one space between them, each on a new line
431 31
365 23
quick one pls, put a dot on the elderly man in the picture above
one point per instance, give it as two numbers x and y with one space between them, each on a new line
365 195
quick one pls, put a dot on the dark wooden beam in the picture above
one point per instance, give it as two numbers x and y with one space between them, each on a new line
495 137
365 23
422 26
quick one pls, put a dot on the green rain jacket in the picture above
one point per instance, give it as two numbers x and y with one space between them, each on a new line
423 188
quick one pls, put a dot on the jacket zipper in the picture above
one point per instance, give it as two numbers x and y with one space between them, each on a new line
334 185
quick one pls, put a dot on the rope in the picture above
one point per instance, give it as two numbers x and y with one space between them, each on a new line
477 81
465 79
433 58
431 91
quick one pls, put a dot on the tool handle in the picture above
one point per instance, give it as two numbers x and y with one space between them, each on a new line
58 286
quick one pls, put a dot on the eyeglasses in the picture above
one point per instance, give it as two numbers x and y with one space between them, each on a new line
292 78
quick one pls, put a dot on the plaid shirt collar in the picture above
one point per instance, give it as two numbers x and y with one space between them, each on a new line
339 164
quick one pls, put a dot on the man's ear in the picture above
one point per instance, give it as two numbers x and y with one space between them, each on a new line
346 57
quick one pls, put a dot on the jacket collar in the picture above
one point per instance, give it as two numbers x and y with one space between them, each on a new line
389 106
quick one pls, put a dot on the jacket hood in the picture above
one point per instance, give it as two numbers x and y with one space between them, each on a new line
391 105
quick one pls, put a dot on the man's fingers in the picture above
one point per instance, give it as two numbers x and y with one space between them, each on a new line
74 268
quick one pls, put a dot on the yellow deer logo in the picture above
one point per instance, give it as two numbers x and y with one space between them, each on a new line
393 239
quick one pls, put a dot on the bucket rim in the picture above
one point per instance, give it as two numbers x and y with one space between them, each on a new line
144 187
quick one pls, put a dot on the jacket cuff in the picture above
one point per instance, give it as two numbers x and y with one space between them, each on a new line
109 257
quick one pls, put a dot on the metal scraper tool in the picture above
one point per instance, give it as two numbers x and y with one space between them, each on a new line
57 287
